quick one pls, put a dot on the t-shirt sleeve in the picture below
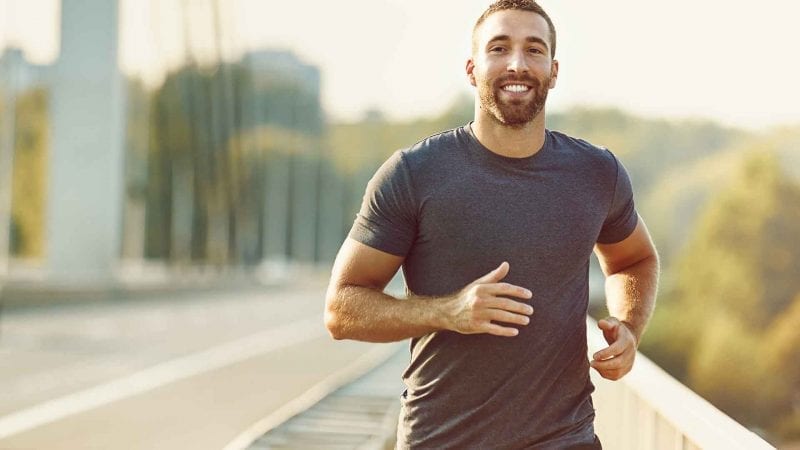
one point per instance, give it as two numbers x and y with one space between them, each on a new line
622 217
387 219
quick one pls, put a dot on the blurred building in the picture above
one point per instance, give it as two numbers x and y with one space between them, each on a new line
19 74
219 163
271 64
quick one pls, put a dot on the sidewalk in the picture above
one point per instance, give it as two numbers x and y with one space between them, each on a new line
357 409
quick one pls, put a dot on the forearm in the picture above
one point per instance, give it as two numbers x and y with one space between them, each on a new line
367 314
631 294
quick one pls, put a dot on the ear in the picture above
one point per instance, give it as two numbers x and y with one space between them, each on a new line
553 74
470 72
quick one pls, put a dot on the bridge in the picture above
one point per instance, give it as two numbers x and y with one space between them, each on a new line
251 366
176 300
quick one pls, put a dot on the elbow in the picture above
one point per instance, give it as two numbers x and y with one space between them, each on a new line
334 324
334 318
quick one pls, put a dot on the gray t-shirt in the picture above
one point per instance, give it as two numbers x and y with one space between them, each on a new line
455 211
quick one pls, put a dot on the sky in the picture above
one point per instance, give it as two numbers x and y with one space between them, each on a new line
676 58
682 58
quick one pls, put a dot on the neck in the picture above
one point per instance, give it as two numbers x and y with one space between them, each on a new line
509 141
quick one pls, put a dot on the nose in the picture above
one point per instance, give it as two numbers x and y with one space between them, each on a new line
517 62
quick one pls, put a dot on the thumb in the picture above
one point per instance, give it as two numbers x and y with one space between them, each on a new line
496 275
609 327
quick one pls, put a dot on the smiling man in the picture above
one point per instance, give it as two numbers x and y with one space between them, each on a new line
493 224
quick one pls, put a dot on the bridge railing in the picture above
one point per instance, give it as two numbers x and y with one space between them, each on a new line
650 410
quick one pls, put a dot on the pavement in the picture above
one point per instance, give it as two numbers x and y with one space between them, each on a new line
162 370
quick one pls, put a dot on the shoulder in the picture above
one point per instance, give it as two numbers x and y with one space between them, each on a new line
433 150
582 152
420 164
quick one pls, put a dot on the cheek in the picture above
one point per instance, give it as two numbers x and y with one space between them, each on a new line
483 77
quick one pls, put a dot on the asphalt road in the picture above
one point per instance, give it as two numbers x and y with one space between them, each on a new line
161 373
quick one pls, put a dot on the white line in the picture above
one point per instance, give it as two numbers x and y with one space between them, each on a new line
161 374
311 397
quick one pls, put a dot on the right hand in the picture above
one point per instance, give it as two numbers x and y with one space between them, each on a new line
475 308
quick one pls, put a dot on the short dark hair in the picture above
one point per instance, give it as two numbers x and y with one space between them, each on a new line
521 5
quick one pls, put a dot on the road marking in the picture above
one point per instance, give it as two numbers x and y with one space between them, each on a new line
161 374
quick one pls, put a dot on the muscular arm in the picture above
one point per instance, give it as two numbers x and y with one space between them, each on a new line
631 268
356 307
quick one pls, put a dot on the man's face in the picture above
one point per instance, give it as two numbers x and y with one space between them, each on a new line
511 66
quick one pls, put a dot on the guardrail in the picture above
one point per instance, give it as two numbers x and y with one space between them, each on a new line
646 410
650 410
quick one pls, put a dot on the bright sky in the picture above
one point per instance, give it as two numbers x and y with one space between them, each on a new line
680 58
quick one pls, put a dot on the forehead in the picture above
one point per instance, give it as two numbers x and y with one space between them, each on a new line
513 23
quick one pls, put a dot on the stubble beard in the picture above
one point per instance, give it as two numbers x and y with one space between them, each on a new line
515 113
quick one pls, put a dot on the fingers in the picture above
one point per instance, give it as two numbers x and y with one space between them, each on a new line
488 300
608 323
498 330
501 289
494 276
506 304
498 315
610 327
616 360
616 367
615 349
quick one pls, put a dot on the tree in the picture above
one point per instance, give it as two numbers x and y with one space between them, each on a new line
736 277
29 189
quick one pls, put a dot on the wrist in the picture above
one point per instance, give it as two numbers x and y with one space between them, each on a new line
435 312
444 313
634 330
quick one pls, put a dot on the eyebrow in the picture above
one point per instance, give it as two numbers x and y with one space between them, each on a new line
505 37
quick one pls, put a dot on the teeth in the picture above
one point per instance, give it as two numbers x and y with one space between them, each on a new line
515 88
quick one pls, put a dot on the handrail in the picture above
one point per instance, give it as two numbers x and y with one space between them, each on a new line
649 409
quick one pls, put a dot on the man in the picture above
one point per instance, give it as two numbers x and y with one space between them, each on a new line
494 224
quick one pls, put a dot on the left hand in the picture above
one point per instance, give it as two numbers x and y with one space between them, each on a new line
616 360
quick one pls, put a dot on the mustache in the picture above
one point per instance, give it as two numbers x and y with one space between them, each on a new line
518 79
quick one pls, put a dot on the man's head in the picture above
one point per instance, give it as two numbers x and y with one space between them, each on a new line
519 5
512 65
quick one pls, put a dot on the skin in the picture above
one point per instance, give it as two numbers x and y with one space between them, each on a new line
524 54
356 307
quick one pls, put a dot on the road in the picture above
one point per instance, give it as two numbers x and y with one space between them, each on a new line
162 372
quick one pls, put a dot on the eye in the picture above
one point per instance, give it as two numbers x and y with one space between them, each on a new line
496 49
536 50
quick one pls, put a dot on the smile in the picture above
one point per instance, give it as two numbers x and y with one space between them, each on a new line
516 88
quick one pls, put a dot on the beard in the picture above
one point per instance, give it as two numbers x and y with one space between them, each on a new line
513 113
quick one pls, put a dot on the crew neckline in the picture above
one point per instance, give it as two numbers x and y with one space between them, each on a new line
484 152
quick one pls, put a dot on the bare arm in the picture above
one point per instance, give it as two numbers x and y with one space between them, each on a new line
356 307
631 268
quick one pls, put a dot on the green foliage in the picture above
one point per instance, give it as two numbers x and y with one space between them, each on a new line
781 354
746 245
678 196
369 142
723 369
30 169
647 147
727 324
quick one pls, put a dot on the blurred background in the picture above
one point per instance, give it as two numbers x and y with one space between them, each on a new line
216 144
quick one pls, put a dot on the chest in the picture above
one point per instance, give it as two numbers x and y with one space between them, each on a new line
548 213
